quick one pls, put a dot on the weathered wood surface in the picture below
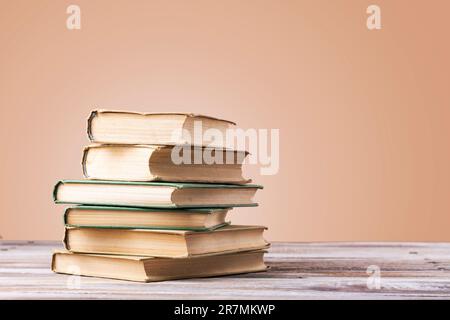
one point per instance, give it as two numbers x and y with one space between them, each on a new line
298 271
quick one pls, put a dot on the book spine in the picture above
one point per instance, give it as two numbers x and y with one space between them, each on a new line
83 161
66 240
89 125
55 191
53 262
66 213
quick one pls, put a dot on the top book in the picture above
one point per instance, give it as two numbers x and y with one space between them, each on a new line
126 127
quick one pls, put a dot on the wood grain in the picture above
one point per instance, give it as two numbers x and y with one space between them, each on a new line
298 271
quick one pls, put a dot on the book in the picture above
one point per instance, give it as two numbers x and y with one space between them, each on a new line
147 269
140 218
155 163
154 194
164 243
127 127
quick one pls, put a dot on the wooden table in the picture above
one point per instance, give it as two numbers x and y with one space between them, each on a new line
298 271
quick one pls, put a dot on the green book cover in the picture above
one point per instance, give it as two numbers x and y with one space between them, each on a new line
149 210
177 185
118 208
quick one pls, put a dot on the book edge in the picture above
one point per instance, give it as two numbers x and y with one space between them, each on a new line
187 114
178 185
168 206
213 228
207 210
228 228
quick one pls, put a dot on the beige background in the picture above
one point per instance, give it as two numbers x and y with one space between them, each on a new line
363 115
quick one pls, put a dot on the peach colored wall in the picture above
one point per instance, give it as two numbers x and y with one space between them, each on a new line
363 115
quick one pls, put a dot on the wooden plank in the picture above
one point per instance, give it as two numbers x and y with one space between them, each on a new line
298 271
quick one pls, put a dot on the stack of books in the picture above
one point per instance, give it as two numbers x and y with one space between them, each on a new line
141 216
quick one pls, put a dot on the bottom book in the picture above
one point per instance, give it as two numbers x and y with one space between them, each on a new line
148 269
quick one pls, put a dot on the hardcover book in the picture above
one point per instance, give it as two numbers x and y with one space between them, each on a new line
140 218
154 194
127 127
146 269
155 163
164 243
